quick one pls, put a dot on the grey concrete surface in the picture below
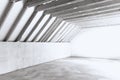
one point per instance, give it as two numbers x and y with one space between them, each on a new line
19 55
67 69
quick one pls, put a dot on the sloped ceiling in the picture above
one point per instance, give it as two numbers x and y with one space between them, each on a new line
19 22
49 20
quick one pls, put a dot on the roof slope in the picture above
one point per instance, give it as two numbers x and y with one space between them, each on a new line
51 20
19 22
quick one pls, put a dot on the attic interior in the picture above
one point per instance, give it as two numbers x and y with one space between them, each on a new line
59 39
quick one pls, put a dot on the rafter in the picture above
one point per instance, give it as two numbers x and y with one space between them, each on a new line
36 2
93 14
72 6
6 12
56 4
15 23
36 25
43 27
90 11
85 8
50 29
26 26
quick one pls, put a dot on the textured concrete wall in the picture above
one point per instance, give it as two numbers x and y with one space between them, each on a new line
15 56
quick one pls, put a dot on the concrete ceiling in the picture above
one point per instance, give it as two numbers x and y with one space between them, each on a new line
49 20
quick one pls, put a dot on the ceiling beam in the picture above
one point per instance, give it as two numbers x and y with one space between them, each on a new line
48 4
111 25
72 6
5 13
60 32
64 32
50 30
93 14
36 25
56 4
85 8
36 2
67 33
15 23
56 31
47 31
54 26
14 0
95 10
17 0
58 25
95 17
43 27
26 26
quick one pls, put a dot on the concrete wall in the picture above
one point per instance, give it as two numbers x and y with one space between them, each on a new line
18 55
102 42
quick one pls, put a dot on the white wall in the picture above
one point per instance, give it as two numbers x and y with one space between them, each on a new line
102 42
18 55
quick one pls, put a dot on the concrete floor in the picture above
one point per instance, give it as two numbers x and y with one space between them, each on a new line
69 69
